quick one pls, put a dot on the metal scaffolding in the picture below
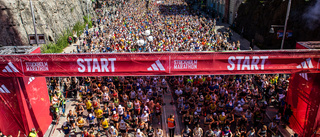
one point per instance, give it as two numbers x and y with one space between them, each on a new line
17 49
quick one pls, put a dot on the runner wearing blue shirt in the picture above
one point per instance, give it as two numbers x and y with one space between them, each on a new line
90 119
66 128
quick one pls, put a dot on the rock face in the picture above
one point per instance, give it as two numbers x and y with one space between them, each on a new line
256 17
58 15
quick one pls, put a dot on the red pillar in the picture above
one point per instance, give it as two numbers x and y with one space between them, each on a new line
303 96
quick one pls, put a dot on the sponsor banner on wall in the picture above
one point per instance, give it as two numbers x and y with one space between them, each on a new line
187 63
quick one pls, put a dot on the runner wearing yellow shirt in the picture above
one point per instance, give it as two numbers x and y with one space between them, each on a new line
80 123
99 114
105 124
89 106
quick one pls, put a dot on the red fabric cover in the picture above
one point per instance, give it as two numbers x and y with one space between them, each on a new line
11 113
299 46
303 96
38 103
37 50
24 106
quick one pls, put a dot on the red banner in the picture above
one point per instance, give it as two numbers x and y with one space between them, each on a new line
303 96
12 108
37 108
24 104
185 63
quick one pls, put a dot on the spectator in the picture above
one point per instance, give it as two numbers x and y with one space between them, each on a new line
252 44
171 125
70 40
32 133
287 114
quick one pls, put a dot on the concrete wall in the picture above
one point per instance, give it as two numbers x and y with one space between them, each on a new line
233 8
220 7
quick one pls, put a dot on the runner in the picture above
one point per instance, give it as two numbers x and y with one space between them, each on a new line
66 128
123 126
186 132
81 123
91 120
71 118
210 100
197 131
99 115
105 125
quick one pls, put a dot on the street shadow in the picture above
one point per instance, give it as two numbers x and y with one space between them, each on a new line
174 9
182 9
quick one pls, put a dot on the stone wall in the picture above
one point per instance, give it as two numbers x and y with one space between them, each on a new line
58 15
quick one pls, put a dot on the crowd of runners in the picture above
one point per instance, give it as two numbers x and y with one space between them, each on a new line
112 106
128 26
207 105
220 106
210 106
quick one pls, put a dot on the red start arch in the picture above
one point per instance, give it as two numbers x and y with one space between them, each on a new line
25 104
185 63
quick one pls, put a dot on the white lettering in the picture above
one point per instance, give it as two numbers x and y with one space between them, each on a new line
88 64
231 66
263 61
37 66
104 65
254 63
246 63
93 64
239 61
96 65
112 63
185 64
82 67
